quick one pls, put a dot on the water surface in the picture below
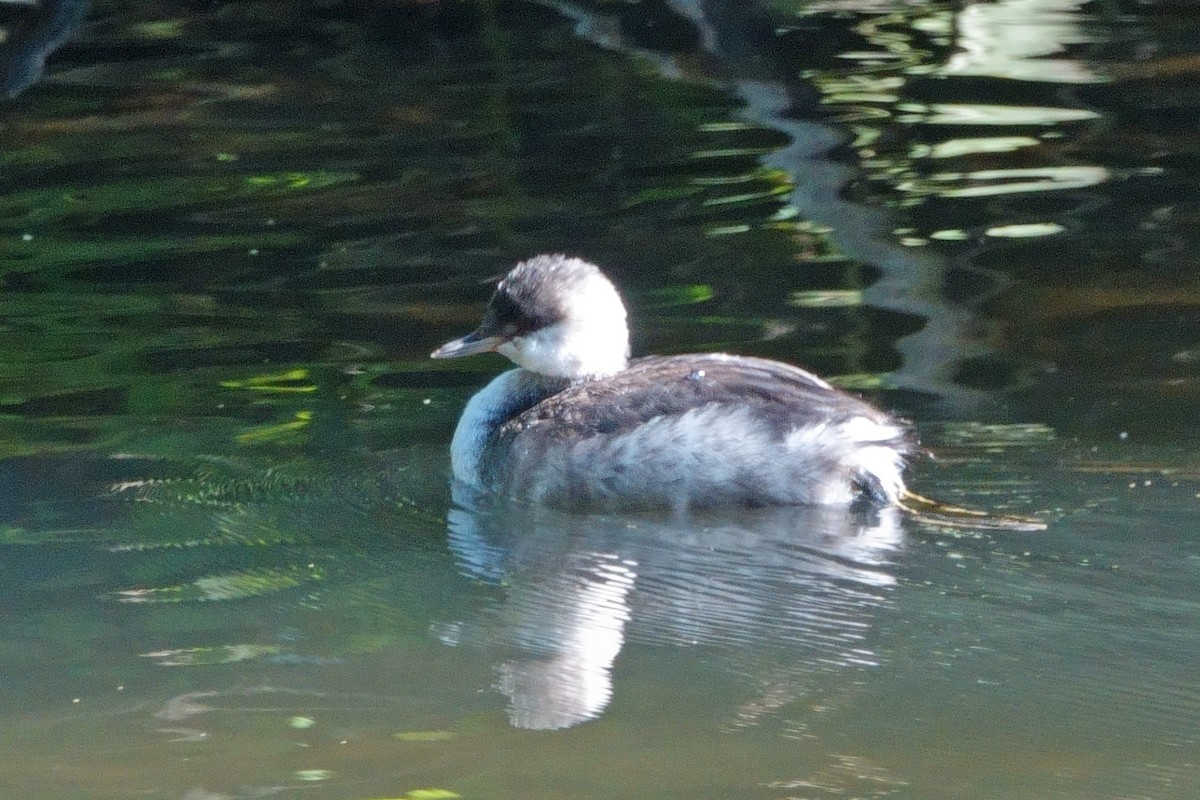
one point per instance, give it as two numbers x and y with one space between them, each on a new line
232 563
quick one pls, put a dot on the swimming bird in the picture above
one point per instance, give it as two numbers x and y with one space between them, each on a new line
579 425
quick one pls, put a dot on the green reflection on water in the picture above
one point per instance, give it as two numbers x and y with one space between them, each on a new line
41 206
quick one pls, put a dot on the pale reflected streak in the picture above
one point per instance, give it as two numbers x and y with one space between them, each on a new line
987 182
584 633
981 114
1011 39
956 148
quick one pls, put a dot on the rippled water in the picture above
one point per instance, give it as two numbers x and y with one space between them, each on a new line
232 565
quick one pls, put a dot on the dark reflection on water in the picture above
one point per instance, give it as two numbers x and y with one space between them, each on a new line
977 167
230 233
804 582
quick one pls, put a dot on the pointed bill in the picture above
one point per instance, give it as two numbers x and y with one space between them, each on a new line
469 345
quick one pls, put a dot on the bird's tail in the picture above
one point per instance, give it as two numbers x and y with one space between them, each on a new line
939 513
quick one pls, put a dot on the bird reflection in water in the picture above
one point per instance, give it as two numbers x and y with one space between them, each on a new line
576 587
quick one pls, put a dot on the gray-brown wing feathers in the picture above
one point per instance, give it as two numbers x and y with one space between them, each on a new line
782 396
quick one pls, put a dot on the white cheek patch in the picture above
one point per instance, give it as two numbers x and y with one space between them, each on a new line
509 350
571 350
540 351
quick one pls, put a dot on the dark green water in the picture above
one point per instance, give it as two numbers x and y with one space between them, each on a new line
231 233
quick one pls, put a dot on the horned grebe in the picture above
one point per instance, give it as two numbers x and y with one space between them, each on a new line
579 425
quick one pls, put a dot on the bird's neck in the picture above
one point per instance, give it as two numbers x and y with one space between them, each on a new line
509 394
